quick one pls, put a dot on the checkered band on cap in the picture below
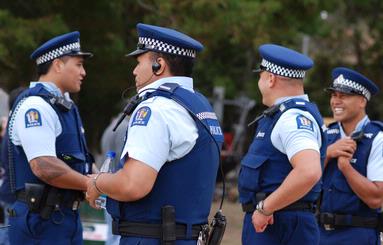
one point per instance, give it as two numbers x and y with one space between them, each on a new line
157 45
53 54
282 71
340 81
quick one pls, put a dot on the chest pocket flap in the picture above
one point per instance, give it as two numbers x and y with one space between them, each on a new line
253 161
249 176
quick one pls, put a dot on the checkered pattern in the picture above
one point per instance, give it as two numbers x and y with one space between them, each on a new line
53 54
282 71
157 45
206 115
340 82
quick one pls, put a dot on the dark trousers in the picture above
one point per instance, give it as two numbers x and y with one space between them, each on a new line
289 228
349 236
149 241
29 228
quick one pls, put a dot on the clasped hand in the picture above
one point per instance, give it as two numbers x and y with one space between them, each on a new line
261 221
92 193
343 147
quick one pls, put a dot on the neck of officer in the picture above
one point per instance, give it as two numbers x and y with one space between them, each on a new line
349 124
154 77
286 87
50 77
164 74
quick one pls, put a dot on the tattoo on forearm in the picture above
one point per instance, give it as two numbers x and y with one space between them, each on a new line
47 169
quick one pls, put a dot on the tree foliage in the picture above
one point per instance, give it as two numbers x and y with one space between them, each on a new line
340 33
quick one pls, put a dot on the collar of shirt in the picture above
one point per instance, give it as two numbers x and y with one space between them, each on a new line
358 127
283 99
184 82
52 88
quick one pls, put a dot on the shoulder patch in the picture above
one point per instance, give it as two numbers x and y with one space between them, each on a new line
304 123
142 116
32 118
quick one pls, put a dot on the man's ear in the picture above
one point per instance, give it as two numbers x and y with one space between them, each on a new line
163 66
272 80
57 65
363 102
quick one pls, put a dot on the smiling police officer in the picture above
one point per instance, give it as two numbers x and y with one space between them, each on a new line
164 190
353 176
47 155
279 178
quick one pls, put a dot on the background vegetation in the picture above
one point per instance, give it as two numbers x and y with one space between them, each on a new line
334 33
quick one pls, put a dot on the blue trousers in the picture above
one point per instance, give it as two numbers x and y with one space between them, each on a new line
148 241
4 237
349 236
290 227
29 228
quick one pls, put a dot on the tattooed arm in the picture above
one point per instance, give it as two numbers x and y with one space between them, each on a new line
55 172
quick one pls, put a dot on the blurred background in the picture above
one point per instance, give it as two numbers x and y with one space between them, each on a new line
332 32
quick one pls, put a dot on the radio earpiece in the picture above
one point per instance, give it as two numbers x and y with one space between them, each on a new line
156 67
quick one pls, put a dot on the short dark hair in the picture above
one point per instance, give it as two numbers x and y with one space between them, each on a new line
43 69
178 65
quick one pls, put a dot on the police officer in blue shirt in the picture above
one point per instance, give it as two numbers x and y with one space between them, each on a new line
353 176
279 177
164 189
47 155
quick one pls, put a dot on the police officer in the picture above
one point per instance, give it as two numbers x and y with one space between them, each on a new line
353 175
47 154
279 177
165 188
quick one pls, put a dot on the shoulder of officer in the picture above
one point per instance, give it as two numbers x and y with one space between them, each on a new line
34 105
298 119
377 123
34 101
156 106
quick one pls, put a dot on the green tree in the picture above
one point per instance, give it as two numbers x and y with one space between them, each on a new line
231 31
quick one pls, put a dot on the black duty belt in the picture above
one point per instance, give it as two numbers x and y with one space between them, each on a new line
2 215
296 206
124 228
72 202
331 221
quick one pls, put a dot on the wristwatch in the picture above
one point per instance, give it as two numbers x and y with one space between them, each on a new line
260 209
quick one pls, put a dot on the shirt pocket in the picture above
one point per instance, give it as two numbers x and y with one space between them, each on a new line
343 198
249 175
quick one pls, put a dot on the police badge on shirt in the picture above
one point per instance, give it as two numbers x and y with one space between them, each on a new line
32 118
304 123
142 116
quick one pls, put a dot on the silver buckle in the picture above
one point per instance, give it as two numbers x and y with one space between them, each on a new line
75 205
203 235
200 240
328 227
